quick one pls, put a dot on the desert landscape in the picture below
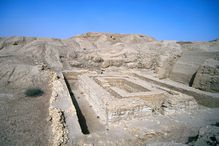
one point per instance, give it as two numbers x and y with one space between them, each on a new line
106 89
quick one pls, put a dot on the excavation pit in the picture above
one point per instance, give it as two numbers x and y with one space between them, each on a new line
115 98
126 85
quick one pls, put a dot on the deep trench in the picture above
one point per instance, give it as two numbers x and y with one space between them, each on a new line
192 79
81 118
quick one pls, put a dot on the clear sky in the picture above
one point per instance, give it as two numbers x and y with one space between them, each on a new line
194 20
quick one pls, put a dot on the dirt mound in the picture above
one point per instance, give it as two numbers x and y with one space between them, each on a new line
91 50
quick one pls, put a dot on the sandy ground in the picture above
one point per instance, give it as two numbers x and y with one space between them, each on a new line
24 120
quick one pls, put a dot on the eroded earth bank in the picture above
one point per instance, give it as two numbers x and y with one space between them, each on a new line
108 89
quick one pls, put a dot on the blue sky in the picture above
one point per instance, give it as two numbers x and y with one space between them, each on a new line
194 20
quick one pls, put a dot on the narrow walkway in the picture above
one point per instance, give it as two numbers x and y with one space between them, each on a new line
204 98
92 120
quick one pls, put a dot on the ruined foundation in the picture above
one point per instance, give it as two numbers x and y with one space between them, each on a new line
116 97
119 98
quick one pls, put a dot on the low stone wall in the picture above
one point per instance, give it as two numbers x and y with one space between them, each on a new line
65 126
95 96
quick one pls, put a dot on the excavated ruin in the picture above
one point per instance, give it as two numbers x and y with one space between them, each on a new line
108 89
